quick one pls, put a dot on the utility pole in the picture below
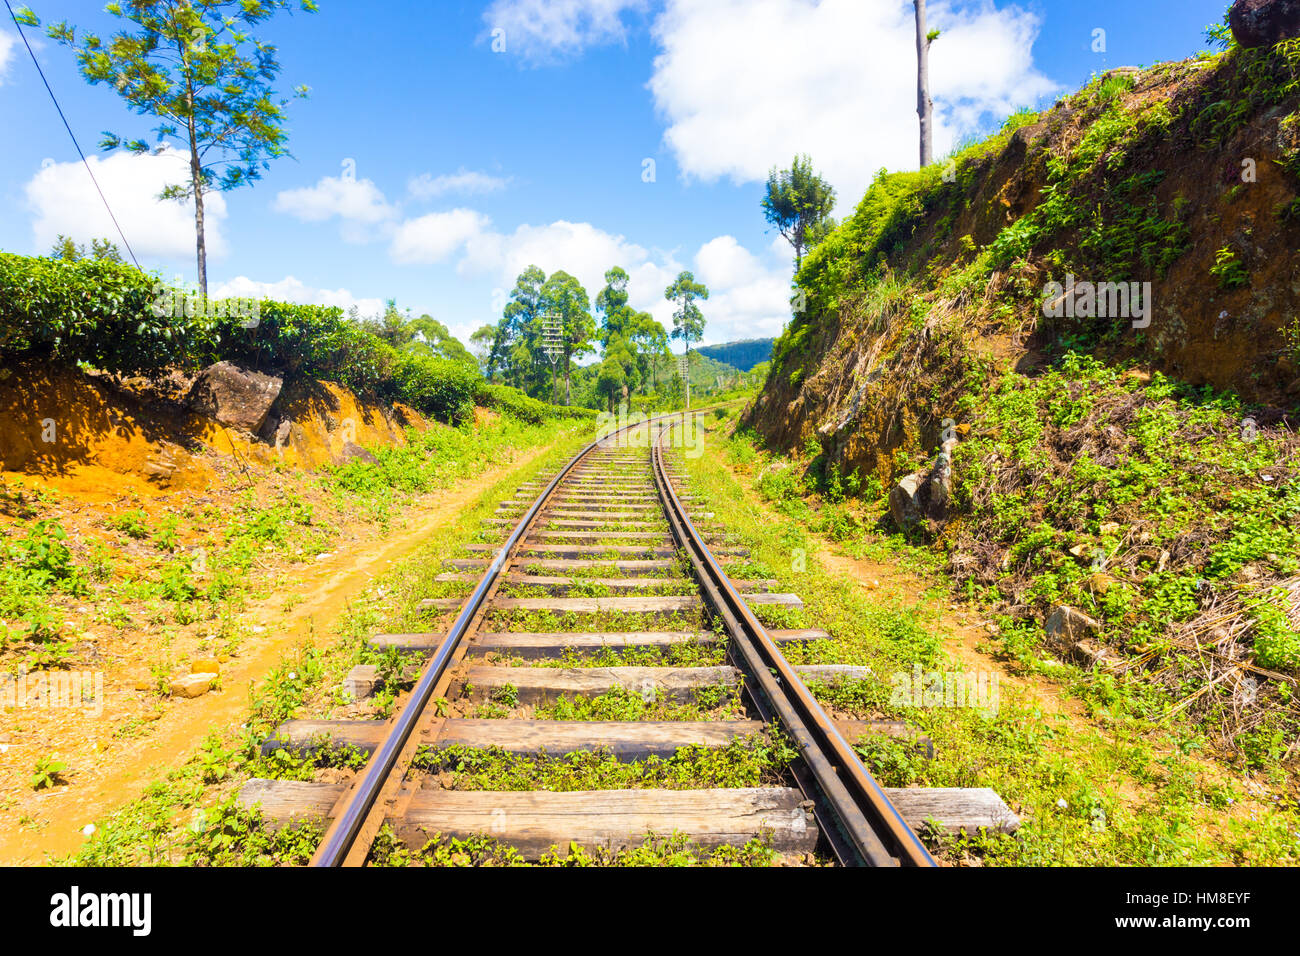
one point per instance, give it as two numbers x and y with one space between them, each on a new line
553 342
924 105
684 366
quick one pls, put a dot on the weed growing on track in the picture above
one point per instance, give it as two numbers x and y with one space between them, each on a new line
690 653
671 850
750 762
706 703
530 621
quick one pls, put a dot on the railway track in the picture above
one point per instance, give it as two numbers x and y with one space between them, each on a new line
613 553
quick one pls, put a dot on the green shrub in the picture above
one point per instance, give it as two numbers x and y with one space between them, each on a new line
437 386
1277 643
101 313
92 310
512 402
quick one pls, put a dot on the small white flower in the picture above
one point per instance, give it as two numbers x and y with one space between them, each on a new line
88 830
1062 804
293 675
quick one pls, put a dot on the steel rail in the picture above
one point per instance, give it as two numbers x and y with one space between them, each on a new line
862 825
339 838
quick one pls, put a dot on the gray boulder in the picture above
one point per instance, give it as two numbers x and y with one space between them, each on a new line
941 484
1262 23
905 505
354 452
1067 627
235 397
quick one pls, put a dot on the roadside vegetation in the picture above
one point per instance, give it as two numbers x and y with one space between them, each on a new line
150 567
100 313
1113 471
1109 777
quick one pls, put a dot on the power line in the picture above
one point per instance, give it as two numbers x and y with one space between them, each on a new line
68 127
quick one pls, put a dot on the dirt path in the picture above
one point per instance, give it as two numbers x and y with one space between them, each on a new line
964 631
324 589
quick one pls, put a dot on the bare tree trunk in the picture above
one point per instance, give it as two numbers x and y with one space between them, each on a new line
924 105
202 245
196 178
688 375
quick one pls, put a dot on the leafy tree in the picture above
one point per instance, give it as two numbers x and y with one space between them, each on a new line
497 357
517 347
391 327
649 341
422 336
564 296
611 382
101 250
798 203
674 390
431 337
688 320
194 65
634 339
481 343
611 303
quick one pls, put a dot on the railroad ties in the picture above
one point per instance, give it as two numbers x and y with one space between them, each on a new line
597 615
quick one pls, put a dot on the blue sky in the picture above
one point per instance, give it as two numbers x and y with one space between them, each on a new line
431 168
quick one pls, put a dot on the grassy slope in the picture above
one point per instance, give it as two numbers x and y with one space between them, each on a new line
1169 513
1114 786
139 591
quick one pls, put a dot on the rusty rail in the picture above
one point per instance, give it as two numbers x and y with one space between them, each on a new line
863 826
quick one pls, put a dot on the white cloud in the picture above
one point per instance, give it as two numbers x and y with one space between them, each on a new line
64 201
578 248
746 84
725 262
428 186
542 31
434 238
8 48
290 289
755 310
352 200
747 298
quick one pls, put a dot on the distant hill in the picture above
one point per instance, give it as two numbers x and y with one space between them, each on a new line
742 355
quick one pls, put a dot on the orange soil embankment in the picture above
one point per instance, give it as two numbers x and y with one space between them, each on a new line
325 590
88 436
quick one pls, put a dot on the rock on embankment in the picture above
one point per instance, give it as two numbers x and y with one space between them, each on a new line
1262 23
236 397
